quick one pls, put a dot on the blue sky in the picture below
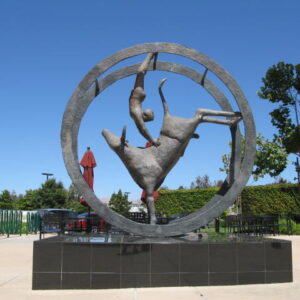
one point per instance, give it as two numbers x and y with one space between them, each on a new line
48 46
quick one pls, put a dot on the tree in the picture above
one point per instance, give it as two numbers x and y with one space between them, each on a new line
30 201
119 203
51 194
281 85
201 182
218 183
163 188
280 180
6 200
73 200
181 187
73 194
271 158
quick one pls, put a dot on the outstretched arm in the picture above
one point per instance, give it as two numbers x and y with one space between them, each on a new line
142 70
136 98
145 133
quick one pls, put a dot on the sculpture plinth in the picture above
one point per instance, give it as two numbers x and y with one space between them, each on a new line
99 262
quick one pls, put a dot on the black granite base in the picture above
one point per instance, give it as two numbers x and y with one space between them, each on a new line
109 262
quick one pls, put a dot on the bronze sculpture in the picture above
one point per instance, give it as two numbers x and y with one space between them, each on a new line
149 166
94 84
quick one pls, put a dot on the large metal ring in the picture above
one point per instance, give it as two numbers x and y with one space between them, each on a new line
86 92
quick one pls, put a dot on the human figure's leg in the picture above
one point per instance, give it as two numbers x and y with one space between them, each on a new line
203 113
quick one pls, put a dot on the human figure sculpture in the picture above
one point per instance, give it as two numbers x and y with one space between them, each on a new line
136 98
149 166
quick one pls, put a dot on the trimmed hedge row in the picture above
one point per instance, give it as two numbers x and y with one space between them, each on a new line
273 198
181 201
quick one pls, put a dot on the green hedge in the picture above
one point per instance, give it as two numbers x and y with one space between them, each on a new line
181 201
273 198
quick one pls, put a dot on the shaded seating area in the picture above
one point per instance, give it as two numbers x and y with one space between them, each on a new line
257 224
90 222
61 221
55 220
142 217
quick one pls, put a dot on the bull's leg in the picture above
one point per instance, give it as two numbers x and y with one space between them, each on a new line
150 205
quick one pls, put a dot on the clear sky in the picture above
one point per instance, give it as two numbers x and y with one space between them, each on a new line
48 46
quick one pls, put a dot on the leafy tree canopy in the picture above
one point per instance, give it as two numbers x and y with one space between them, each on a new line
201 182
51 194
281 85
271 158
30 201
73 200
119 203
163 188
181 187
6 200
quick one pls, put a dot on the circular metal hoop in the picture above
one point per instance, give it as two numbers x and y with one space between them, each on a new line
86 92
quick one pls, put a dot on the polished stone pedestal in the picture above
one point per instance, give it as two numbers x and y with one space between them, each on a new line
110 262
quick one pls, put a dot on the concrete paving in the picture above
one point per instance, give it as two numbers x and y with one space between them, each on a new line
16 276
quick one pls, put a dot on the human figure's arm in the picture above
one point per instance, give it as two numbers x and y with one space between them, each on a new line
145 133
137 96
142 70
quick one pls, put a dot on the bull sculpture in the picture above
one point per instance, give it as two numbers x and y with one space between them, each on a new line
149 166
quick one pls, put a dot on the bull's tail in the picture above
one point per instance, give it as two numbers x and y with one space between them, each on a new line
164 102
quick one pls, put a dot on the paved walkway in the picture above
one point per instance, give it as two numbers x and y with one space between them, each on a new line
16 274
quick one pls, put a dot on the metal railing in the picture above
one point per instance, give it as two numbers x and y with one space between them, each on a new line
11 222
258 224
32 222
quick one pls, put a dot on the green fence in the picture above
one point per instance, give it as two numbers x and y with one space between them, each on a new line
11 222
32 222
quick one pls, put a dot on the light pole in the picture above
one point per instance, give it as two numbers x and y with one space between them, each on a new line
126 195
47 175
